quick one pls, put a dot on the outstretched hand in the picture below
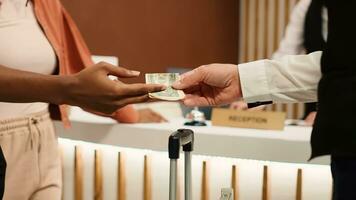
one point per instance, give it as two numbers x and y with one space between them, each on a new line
92 89
210 85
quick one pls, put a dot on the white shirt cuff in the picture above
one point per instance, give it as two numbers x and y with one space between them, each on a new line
254 82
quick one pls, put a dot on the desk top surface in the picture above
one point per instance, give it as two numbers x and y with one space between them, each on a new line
289 145
290 132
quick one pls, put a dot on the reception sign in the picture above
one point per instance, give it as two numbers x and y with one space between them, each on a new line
248 119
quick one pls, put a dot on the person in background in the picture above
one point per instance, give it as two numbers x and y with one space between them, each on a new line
328 77
45 65
306 32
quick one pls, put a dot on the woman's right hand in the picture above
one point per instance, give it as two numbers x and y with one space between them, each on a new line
93 90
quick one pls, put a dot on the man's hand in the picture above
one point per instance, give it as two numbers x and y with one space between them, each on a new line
210 85
92 89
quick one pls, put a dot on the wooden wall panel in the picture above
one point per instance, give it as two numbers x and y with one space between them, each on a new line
78 174
299 189
147 179
98 175
121 182
235 182
265 184
262 24
151 35
205 182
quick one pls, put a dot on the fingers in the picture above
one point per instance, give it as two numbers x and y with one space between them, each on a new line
141 89
153 117
157 117
193 89
119 71
133 100
147 115
190 79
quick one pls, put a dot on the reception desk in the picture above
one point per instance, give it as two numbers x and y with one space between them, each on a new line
290 145
221 155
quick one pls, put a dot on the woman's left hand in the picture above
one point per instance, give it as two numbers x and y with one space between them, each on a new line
147 115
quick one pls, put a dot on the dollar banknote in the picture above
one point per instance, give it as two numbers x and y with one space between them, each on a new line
167 79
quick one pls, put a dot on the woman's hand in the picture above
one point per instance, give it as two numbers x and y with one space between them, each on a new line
92 89
147 115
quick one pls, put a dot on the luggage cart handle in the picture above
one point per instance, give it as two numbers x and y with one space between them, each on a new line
182 137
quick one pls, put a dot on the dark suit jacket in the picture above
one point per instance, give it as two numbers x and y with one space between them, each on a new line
335 126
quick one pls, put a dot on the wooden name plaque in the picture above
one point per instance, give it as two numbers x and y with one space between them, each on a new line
248 119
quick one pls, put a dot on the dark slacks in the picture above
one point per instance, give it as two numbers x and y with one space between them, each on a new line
2 173
344 175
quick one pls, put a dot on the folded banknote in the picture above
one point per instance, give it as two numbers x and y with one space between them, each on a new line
167 79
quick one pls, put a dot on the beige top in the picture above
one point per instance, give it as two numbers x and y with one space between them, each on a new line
23 46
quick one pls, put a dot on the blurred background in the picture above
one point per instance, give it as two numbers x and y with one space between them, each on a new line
175 36
152 35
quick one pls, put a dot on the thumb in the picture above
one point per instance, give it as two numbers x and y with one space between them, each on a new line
189 79
120 72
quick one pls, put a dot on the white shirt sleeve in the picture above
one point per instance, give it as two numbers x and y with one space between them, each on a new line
293 40
289 79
